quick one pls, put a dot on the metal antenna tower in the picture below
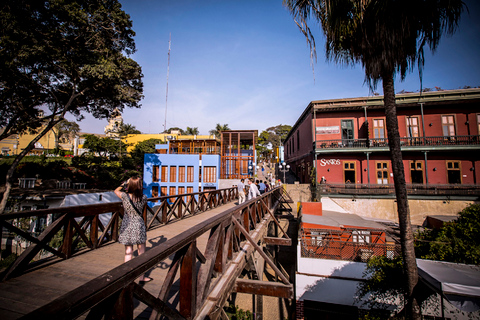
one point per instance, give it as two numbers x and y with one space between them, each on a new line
168 71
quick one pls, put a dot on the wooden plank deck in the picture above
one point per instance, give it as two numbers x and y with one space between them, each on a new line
25 293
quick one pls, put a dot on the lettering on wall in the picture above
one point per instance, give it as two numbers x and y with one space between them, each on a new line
328 130
324 162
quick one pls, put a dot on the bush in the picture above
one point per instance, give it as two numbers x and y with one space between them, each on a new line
457 241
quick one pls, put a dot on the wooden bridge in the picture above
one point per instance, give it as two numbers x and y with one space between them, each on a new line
198 246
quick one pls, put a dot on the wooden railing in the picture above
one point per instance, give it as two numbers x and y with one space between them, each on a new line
405 142
82 227
233 237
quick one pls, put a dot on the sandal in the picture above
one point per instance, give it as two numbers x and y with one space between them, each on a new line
145 280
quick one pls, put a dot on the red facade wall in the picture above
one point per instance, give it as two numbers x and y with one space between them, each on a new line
339 165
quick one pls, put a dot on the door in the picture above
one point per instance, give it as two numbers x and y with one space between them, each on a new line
416 172
347 132
349 172
454 174
382 172
379 132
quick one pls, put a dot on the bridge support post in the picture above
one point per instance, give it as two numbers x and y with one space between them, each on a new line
259 262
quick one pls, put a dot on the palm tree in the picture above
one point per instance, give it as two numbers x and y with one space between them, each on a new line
219 128
192 131
126 129
387 37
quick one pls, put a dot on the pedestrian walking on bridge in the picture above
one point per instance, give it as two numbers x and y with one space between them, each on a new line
133 230
241 191
253 190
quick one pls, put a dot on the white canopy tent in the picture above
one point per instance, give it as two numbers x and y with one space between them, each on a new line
458 283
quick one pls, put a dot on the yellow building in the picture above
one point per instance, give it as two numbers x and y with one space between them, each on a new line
132 139
14 144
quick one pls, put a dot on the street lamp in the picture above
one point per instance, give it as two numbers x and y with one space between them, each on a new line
250 169
283 167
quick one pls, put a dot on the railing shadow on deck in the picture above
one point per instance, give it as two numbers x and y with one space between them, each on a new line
77 227
233 236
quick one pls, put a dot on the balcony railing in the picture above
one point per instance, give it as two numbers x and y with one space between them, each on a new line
405 142
412 189
345 245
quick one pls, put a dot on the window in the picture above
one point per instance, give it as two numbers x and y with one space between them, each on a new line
382 172
163 191
190 174
181 174
173 191
379 128
361 236
210 174
181 190
448 126
173 174
454 175
317 238
155 174
349 172
347 130
164 173
478 124
416 171
412 127
154 191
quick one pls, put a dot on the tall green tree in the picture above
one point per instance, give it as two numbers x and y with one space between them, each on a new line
103 147
218 129
59 57
65 131
457 241
192 131
141 148
387 37
272 138
125 129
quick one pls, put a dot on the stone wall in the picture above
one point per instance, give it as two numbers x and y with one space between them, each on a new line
298 193
382 208
387 208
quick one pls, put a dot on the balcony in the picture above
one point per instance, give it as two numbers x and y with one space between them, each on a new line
407 144
342 245
412 189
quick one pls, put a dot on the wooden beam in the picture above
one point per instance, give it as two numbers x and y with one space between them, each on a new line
260 251
278 241
264 288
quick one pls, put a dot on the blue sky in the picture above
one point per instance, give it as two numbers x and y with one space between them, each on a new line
245 63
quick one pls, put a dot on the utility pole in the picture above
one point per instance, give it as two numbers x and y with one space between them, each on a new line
168 71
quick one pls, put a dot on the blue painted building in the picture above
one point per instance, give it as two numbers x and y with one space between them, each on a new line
171 174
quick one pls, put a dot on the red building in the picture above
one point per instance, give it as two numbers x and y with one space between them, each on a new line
345 140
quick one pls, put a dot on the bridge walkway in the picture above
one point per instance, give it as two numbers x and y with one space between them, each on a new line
42 285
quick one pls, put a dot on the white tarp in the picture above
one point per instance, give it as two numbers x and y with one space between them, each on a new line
92 198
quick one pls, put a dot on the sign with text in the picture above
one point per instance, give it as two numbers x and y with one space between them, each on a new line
324 162
328 130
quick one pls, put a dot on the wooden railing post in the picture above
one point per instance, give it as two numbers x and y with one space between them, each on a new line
180 207
94 231
68 238
123 308
188 282
164 211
